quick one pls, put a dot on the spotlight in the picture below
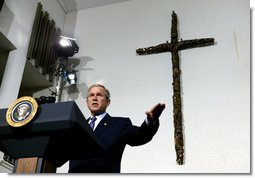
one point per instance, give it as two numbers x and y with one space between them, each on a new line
70 76
66 47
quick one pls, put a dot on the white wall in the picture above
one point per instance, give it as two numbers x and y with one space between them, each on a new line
215 79
16 25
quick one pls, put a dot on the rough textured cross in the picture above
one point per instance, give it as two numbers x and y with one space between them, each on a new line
174 47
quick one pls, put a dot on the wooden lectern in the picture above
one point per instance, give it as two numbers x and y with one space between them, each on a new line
58 133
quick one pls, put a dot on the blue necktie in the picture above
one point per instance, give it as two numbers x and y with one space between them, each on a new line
92 122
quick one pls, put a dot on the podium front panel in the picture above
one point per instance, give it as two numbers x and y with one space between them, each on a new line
59 132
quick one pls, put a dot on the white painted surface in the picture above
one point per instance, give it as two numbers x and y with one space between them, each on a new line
215 79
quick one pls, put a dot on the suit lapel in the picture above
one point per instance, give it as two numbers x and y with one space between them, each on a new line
103 124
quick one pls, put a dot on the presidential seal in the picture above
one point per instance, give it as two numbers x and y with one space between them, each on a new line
21 111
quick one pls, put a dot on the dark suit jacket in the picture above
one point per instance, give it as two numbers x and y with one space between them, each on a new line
114 133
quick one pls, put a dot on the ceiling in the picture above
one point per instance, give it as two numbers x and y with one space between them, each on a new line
74 5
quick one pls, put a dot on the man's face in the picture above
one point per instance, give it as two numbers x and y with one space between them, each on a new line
97 101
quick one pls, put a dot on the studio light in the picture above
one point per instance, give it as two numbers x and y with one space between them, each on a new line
70 76
66 47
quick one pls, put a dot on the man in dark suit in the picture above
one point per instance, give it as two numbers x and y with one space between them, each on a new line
113 132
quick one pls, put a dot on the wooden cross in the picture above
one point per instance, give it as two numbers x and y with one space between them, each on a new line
174 47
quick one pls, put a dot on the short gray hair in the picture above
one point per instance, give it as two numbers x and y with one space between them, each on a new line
106 91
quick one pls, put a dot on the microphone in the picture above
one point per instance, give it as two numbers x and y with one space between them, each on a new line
44 99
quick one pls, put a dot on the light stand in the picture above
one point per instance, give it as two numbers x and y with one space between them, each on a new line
59 86
65 47
64 74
